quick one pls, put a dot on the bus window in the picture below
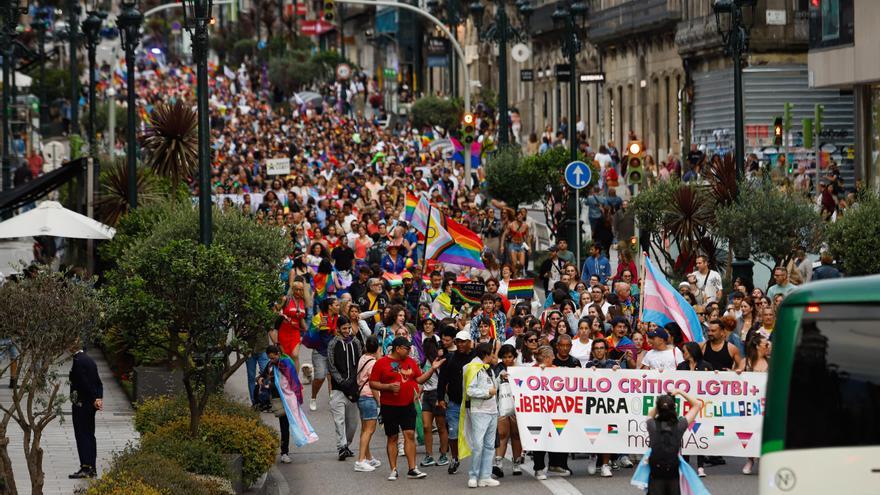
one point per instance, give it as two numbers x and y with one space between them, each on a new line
834 399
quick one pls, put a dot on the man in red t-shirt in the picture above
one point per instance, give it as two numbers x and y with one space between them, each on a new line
397 377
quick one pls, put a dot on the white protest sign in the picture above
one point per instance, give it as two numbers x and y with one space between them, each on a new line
604 411
278 166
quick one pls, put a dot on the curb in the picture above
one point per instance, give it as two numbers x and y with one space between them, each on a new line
273 483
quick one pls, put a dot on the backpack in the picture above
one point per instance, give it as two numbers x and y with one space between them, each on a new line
664 452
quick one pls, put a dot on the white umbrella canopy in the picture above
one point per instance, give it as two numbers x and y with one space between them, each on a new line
52 219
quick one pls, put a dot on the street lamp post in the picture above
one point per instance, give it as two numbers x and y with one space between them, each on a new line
500 31
571 16
40 24
129 22
197 16
92 30
73 39
734 33
11 12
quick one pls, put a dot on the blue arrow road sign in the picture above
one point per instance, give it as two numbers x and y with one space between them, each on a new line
577 174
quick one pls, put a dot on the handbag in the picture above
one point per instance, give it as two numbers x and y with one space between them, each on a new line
505 400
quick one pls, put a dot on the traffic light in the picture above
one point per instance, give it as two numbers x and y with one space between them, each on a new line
807 126
818 116
468 126
787 109
777 131
329 10
635 174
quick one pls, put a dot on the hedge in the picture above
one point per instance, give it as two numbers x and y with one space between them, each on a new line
120 483
156 472
155 412
193 455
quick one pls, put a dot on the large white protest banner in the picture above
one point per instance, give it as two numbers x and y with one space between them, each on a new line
604 411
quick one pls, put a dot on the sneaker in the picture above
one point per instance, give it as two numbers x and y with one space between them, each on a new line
313 405
285 459
83 473
701 472
363 467
393 475
453 466
472 483
374 462
625 462
415 474
442 460
606 471
400 450
517 467
559 471
591 465
428 461
489 482
614 465
541 474
497 472
747 469
348 452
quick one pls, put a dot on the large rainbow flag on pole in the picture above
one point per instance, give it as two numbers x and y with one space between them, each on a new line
410 206
290 390
663 304
450 242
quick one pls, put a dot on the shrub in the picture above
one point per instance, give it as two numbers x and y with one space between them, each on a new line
253 440
193 455
160 473
159 411
432 110
120 483
854 239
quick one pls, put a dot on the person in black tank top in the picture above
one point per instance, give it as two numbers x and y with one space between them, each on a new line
721 354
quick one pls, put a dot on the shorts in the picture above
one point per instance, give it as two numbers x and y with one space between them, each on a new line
515 247
429 401
368 408
319 363
7 347
453 410
397 418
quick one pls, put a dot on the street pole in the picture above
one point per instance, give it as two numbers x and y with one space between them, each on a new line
111 122
129 21
73 13
8 31
739 135
39 25
503 118
201 16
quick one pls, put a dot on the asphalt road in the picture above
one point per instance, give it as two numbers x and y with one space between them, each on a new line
315 469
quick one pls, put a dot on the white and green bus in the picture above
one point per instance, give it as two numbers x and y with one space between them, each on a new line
822 423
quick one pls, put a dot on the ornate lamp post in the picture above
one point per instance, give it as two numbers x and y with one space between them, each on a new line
91 27
39 24
500 31
73 39
734 32
571 16
11 10
197 17
129 21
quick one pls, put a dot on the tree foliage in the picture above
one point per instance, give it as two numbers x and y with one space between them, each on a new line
771 222
171 143
435 111
854 239
293 71
112 202
45 314
508 178
170 293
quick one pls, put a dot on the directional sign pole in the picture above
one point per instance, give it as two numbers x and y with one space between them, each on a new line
578 175
577 209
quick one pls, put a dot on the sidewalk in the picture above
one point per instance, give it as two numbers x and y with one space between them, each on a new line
113 429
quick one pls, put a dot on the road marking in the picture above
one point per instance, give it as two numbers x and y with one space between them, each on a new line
556 484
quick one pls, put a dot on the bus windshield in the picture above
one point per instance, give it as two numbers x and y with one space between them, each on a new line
834 399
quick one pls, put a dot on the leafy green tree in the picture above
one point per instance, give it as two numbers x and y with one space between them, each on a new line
770 223
854 239
434 111
112 201
44 315
171 143
508 179
170 293
292 72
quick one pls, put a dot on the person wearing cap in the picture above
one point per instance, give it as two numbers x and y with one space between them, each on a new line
662 356
397 377
450 392
394 261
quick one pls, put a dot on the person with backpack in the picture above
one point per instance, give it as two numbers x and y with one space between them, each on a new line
343 354
662 467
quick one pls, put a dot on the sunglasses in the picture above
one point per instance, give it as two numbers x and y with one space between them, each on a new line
531 340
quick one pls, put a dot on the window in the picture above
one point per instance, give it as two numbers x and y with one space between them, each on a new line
831 23
834 399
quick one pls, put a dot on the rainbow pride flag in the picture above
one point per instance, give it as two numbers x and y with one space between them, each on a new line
394 279
559 425
450 242
473 301
521 288
410 207
324 285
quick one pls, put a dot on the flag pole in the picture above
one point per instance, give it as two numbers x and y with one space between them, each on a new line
642 292
425 248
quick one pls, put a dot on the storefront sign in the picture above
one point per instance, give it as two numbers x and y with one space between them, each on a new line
527 75
603 410
563 72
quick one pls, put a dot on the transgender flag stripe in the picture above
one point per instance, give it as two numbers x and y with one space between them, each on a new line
663 304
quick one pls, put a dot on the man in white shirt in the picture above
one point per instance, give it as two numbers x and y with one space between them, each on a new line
663 356
708 282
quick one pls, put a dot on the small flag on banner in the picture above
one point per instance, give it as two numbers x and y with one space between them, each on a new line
744 437
559 424
592 434
612 429
719 431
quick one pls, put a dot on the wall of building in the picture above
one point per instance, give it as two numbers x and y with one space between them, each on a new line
853 64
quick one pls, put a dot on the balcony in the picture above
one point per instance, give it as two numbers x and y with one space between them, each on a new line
633 17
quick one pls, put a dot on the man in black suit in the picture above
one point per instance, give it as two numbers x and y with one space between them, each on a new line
86 394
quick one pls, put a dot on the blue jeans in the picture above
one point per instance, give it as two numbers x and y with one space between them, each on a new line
251 365
452 411
483 427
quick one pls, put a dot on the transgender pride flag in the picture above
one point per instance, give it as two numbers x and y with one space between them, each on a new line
663 304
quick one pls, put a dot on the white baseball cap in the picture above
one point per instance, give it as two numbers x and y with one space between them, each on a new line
463 335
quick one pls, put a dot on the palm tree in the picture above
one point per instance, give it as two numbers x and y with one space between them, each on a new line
171 141
112 200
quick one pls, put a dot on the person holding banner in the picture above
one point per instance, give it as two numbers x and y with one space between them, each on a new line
480 416
558 461
507 427
599 359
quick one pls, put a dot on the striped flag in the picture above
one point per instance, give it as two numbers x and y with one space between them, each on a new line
450 242
410 206
521 288
663 304
420 215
